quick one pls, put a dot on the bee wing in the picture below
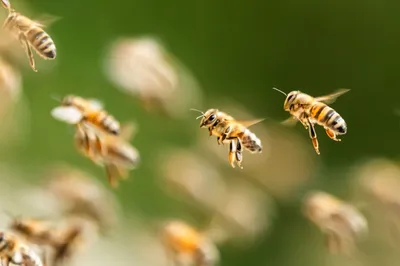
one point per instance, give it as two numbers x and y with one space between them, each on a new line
96 104
68 114
6 4
291 121
249 123
45 20
112 174
328 99
128 131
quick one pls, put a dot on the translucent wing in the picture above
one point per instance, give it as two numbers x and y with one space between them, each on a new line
5 4
45 20
291 121
128 131
68 114
249 123
328 99
96 104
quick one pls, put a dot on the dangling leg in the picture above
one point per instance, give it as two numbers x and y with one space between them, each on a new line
239 155
313 136
331 134
232 152
28 51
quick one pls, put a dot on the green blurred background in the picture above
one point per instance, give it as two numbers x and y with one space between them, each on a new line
235 49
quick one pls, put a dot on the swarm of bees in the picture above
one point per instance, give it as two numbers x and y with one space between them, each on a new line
100 137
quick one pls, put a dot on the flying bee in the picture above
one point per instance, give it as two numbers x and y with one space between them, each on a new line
31 35
341 223
15 250
182 241
62 239
310 111
113 152
225 127
75 109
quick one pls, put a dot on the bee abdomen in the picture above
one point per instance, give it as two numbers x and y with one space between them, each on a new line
251 142
42 43
328 117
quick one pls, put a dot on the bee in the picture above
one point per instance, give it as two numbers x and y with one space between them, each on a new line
43 233
340 222
113 152
180 240
310 111
31 35
75 109
15 250
225 127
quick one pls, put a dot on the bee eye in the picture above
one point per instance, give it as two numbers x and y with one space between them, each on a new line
211 118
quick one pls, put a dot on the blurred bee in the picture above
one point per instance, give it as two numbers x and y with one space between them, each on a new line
43 233
225 127
75 109
15 250
113 152
182 241
309 111
341 223
30 33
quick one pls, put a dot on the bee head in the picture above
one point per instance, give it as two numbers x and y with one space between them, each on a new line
209 117
290 100
67 100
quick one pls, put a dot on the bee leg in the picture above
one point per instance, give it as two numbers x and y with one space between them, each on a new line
112 175
331 134
5 261
210 131
313 136
232 152
28 51
239 154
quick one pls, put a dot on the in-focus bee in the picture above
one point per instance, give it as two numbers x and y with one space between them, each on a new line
341 223
75 109
113 152
309 111
30 33
225 127
15 250
181 241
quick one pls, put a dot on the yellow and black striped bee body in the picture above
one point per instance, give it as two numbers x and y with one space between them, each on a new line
31 35
310 111
225 127
92 111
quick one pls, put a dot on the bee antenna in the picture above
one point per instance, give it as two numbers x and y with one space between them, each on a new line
55 97
196 110
279 91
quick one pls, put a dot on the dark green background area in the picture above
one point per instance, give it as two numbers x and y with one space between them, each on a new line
239 49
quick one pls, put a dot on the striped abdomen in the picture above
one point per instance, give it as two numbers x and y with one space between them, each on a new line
104 121
325 116
251 142
41 42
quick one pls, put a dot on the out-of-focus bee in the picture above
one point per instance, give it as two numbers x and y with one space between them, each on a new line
181 241
62 239
225 127
75 109
341 223
309 111
31 35
113 152
15 250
